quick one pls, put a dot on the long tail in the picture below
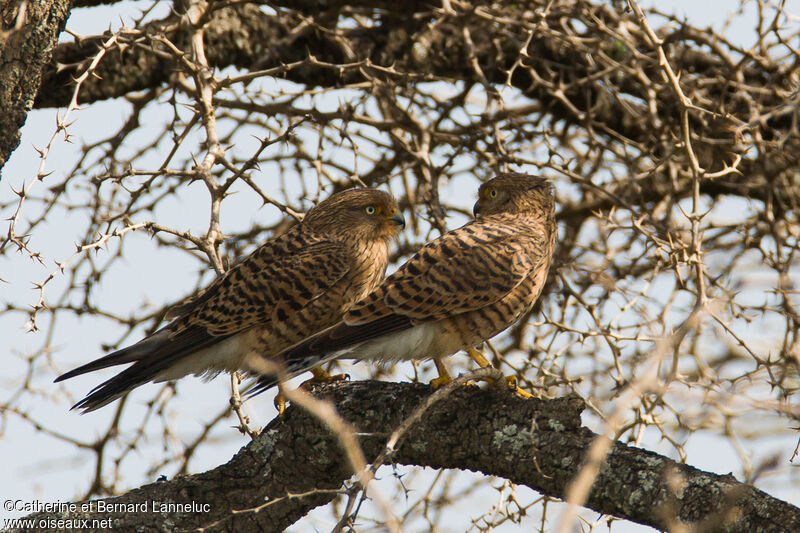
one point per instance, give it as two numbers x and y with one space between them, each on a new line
150 357
337 341
130 354
116 387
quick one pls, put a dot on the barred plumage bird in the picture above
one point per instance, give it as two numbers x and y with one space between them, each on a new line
290 287
456 292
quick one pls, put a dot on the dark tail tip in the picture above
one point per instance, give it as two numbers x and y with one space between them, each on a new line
263 384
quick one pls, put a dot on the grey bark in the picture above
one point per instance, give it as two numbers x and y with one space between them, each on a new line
406 48
27 42
296 464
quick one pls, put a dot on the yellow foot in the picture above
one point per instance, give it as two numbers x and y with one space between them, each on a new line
319 376
280 401
512 384
441 381
483 363
444 376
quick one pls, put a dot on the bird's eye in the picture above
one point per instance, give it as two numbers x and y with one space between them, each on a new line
370 210
491 193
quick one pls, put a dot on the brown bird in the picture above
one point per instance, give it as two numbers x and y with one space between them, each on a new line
456 292
290 287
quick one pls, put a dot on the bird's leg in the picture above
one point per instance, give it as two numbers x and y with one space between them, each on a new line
322 376
319 376
478 357
483 363
280 400
444 376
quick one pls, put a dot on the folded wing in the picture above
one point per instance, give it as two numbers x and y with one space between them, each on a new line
464 270
279 279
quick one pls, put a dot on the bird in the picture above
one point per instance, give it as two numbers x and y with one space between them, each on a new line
290 287
456 292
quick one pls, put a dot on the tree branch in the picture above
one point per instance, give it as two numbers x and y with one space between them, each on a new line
28 34
296 464
574 85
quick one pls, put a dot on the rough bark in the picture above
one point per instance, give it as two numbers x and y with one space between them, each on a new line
296 464
27 41
563 79
246 37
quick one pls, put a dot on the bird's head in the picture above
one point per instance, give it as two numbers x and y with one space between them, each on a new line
369 213
514 193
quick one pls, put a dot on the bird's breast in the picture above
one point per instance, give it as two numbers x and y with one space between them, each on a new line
417 342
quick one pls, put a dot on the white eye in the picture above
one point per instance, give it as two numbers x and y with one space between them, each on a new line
370 210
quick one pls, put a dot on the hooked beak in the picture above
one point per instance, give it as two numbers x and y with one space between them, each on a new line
476 209
398 219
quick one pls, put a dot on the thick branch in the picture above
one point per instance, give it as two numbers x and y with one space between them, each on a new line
296 465
246 37
28 33
574 85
